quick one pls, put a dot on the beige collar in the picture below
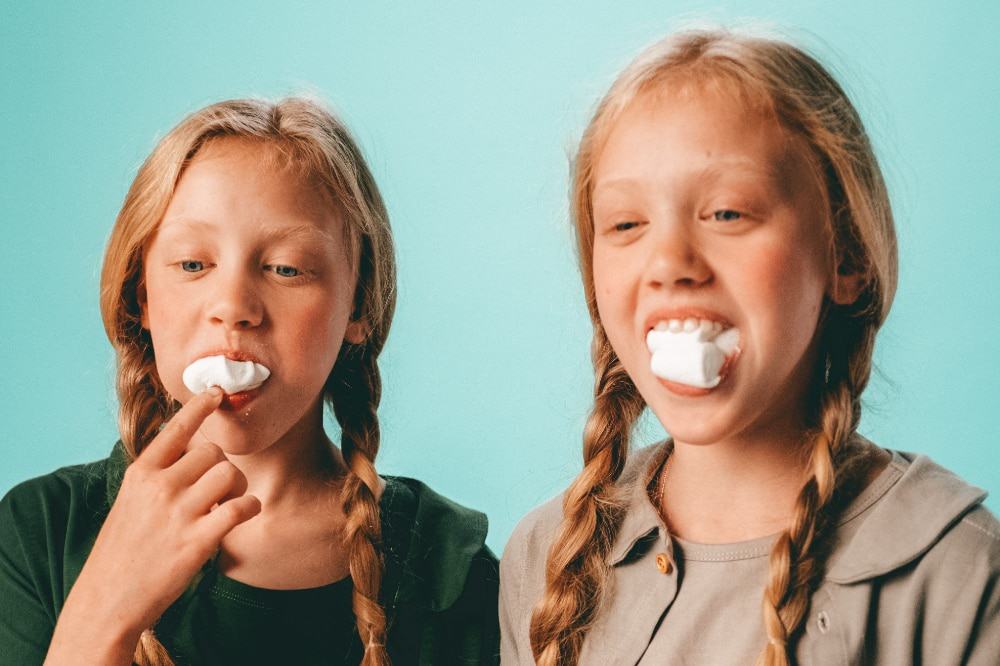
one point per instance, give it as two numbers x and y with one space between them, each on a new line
913 503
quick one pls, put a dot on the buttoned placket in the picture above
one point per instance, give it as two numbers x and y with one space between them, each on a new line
644 583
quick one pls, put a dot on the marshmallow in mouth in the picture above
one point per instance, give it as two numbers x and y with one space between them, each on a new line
232 376
691 351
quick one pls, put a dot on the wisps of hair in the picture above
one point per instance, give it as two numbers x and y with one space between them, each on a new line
769 76
302 137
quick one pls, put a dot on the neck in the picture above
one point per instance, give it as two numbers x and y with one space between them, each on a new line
735 490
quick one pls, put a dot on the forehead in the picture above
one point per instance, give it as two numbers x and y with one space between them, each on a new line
665 134
243 185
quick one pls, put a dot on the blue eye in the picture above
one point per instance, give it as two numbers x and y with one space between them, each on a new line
727 215
626 226
287 271
192 266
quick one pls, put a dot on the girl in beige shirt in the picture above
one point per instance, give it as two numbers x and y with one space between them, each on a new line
726 197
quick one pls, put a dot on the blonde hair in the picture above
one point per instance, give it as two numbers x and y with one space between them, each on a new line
304 138
775 77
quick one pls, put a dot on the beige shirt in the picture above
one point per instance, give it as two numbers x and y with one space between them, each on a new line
913 578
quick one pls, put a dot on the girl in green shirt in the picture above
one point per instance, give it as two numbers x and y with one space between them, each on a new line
226 527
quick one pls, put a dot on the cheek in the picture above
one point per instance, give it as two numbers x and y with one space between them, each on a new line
787 283
609 286
315 334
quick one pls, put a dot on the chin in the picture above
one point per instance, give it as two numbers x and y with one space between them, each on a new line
234 437
693 428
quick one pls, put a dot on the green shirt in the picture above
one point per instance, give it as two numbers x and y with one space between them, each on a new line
439 588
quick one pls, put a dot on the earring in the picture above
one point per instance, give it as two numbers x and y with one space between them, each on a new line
826 371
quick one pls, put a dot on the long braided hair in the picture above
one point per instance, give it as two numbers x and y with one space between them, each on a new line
306 138
772 76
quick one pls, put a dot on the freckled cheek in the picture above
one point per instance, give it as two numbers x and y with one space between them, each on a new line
784 287
615 303
315 335
171 330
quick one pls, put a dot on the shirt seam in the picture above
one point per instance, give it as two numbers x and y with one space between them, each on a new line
992 535
241 600
750 554
873 493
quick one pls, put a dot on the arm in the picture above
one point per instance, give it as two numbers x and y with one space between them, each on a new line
509 587
984 643
984 638
26 616
473 618
174 507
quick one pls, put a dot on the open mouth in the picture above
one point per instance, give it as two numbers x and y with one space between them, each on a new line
240 379
692 356
232 402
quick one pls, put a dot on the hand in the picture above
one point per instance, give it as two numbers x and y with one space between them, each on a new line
174 507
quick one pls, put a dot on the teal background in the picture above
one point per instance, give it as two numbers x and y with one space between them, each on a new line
468 112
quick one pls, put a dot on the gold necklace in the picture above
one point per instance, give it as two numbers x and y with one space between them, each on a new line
661 485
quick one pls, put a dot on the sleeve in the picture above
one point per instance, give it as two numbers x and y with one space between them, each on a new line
984 639
26 620
478 640
958 601
512 576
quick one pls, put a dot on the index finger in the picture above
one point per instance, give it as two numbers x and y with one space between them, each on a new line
168 446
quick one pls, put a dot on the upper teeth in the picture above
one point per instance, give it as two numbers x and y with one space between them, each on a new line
689 325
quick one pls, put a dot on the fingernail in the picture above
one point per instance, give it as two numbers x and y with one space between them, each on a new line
215 391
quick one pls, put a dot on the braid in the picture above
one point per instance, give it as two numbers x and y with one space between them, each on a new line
355 388
837 470
143 408
150 651
577 569
143 403
795 563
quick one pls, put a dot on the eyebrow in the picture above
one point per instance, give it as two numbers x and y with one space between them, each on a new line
304 232
712 170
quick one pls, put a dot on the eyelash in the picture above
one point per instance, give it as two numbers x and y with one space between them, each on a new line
298 272
723 211
721 215
620 227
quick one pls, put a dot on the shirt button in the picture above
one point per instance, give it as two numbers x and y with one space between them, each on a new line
663 563
823 622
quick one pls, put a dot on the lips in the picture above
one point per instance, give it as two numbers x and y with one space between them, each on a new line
232 402
232 355
241 375
682 313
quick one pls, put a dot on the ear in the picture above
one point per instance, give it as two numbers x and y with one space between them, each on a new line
357 331
847 287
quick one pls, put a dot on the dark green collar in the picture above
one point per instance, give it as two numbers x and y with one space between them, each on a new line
429 542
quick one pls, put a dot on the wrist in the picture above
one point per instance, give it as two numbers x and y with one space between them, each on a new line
90 631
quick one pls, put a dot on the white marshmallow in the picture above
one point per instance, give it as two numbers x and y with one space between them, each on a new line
693 357
231 376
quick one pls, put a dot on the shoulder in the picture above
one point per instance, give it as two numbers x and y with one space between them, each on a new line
536 531
59 494
921 514
926 554
47 527
436 553
523 563
532 536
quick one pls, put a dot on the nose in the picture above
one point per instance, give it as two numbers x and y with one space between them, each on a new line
674 258
234 301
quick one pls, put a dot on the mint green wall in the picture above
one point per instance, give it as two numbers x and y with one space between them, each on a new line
467 112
